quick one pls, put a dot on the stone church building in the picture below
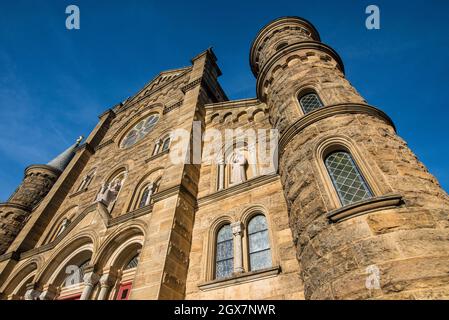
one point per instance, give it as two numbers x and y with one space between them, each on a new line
348 212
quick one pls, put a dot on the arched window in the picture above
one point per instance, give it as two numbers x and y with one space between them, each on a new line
310 102
87 179
145 197
346 177
64 224
139 131
165 144
259 243
224 255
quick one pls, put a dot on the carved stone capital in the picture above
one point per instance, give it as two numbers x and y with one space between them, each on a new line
237 228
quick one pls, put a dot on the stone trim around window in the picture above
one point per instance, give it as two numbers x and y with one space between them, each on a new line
240 278
364 207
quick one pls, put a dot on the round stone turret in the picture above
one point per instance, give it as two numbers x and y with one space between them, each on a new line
36 184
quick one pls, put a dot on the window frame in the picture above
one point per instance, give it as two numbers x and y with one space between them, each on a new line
357 170
247 234
306 93
215 256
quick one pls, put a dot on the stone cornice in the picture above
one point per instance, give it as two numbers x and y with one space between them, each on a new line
191 85
10 256
173 107
160 154
15 206
326 112
156 89
239 188
42 167
86 146
270 27
365 207
233 104
315 45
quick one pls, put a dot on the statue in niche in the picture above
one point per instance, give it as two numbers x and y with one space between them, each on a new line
238 168
108 193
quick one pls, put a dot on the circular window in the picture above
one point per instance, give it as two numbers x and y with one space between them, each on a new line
139 131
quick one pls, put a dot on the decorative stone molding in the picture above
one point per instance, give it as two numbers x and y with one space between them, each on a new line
365 207
245 186
268 65
326 112
240 278
158 155
173 107
192 85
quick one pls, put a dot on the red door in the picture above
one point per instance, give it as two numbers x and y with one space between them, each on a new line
124 291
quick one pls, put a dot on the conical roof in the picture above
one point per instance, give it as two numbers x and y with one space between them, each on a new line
62 161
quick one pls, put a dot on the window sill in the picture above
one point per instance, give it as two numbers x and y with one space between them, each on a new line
366 206
78 193
160 154
240 278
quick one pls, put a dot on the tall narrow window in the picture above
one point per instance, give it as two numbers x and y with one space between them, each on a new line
166 144
225 253
144 198
310 102
259 243
346 177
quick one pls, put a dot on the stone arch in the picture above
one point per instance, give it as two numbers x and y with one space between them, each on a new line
15 286
67 251
226 116
56 222
214 117
242 117
153 176
251 169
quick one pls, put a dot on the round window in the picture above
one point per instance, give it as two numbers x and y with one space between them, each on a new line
139 131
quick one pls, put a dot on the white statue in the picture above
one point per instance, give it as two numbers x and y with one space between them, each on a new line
108 193
238 168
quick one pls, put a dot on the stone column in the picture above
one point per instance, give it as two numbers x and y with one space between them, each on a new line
221 170
150 194
107 281
90 280
238 253
157 147
32 292
49 293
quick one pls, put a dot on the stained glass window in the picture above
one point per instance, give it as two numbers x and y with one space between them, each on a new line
225 253
166 144
310 102
132 263
259 243
349 183
144 198
139 131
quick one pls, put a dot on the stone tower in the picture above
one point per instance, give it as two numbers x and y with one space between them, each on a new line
376 230
37 182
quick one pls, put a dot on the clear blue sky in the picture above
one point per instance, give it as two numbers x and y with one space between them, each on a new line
54 82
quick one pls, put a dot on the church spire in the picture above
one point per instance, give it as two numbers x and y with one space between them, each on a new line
61 162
